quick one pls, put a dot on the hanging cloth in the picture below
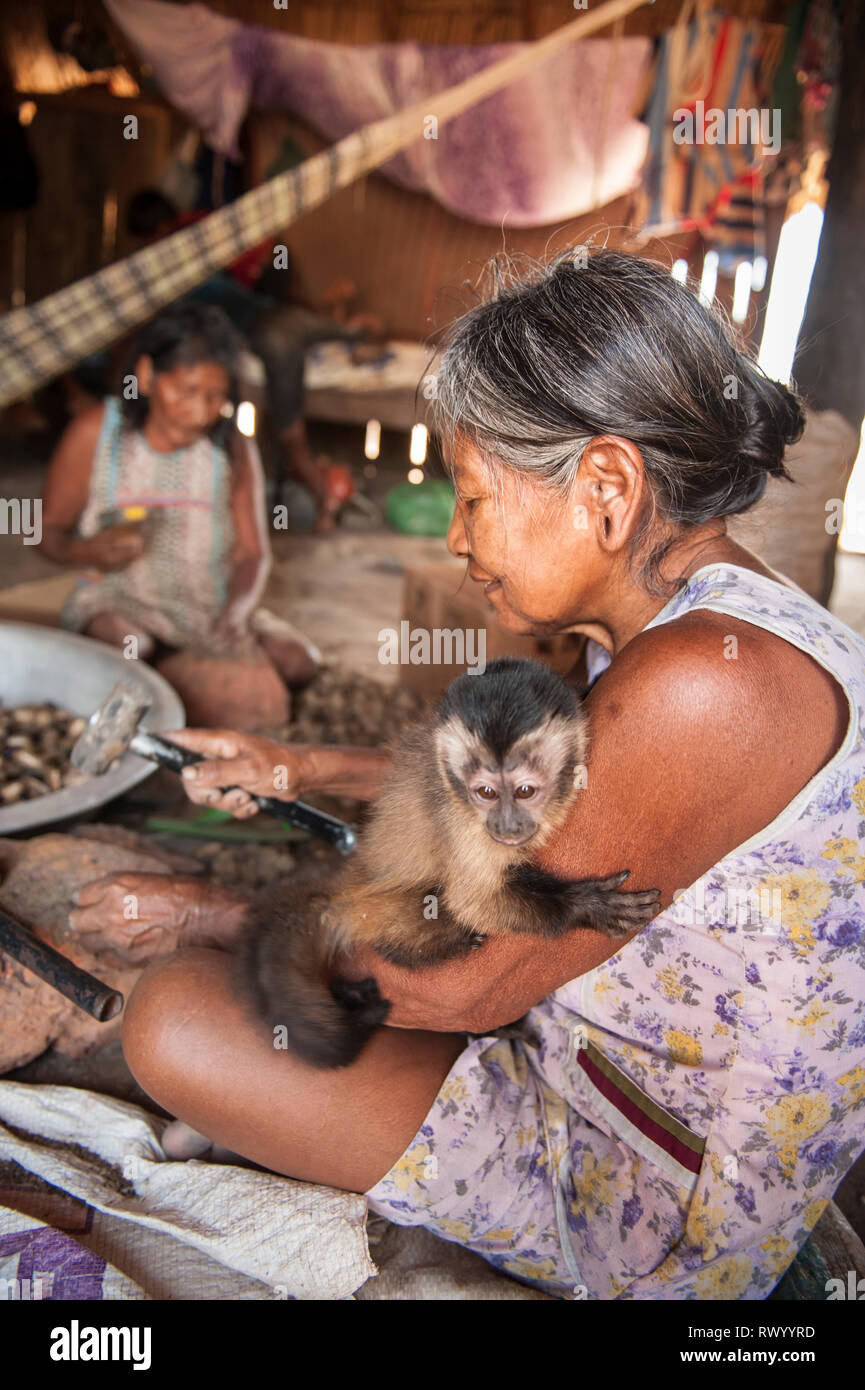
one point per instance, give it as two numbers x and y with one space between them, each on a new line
715 68
559 141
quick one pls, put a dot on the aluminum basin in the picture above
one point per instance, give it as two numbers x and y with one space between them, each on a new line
42 664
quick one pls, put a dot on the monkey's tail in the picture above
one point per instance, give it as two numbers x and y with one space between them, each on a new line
284 967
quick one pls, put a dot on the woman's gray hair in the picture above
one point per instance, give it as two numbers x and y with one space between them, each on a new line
597 342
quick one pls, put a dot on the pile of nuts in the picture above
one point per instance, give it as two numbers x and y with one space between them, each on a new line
249 866
342 706
35 743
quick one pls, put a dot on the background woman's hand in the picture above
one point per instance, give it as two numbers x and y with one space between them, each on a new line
230 632
112 549
245 762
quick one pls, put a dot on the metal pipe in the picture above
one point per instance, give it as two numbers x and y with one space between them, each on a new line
95 998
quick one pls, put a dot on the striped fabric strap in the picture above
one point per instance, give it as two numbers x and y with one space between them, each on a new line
639 1120
44 339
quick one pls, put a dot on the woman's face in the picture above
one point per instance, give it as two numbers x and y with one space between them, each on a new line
186 401
533 549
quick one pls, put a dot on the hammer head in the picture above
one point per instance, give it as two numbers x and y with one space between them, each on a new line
111 729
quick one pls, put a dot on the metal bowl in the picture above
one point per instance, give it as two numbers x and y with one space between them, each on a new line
43 664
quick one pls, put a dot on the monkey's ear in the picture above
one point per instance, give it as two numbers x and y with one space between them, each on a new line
452 742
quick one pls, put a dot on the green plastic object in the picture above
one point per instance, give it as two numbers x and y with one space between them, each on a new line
420 509
211 826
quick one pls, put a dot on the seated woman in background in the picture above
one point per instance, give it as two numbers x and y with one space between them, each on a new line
161 500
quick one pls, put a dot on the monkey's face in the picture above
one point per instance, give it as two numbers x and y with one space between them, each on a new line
510 802
518 796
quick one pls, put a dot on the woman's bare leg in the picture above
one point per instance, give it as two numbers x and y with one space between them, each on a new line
291 659
113 628
192 1045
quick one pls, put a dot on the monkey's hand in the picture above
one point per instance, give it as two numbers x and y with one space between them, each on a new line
549 905
597 903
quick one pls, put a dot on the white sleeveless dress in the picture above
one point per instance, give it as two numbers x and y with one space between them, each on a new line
177 589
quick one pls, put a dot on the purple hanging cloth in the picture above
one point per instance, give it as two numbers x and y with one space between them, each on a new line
532 154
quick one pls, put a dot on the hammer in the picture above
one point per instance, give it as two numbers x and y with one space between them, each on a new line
114 728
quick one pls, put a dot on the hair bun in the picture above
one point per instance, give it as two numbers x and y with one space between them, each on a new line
773 417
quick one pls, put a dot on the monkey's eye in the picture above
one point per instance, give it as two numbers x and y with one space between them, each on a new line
524 792
486 793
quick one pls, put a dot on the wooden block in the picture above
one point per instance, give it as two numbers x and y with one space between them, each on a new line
834 1251
440 598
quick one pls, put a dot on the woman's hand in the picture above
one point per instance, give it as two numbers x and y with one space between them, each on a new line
490 986
135 917
245 762
284 770
111 549
230 632
438 998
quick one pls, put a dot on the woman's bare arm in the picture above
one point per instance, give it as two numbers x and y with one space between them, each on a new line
252 762
691 754
67 488
67 485
251 555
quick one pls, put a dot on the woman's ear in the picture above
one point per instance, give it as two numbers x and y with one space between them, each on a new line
612 469
144 375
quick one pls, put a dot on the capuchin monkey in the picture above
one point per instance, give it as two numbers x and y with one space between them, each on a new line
474 790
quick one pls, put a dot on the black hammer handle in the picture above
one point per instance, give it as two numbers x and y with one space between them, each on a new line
336 832
90 994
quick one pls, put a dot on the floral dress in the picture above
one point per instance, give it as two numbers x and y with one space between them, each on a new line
672 1124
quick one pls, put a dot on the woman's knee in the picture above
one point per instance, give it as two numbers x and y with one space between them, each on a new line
170 1019
116 630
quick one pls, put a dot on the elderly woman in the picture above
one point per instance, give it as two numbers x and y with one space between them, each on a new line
671 1113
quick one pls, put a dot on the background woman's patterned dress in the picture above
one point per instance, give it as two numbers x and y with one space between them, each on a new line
177 588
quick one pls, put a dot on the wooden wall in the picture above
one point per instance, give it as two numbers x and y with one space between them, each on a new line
412 260
457 21
88 171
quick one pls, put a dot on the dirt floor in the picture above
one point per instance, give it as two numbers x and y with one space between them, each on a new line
340 591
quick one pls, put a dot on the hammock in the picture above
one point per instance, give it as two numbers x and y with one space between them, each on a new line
44 339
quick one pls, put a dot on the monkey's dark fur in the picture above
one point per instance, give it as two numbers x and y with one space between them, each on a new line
474 789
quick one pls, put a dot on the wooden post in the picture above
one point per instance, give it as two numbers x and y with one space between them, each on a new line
829 369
